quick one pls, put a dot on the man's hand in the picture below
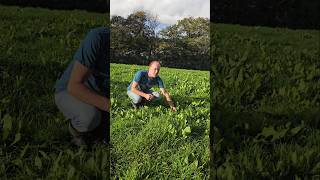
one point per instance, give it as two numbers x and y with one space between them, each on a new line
106 105
174 109
149 97
171 104
168 99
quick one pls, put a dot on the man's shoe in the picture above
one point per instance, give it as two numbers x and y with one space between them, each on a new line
73 131
79 141
78 138
134 105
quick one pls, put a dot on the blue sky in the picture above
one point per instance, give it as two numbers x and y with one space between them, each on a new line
161 26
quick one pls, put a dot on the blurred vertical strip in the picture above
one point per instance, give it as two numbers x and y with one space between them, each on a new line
99 6
294 14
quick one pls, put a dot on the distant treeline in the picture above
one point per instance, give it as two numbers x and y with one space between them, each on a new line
100 6
135 40
296 14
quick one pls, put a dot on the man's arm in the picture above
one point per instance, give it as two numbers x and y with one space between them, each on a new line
140 93
77 88
168 98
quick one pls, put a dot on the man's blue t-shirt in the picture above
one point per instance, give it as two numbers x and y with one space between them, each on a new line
145 82
92 53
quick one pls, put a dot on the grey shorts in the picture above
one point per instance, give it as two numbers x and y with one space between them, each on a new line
84 117
136 98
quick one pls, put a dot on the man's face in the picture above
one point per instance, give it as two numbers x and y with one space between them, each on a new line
154 70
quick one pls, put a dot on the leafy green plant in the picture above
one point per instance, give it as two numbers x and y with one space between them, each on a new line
265 100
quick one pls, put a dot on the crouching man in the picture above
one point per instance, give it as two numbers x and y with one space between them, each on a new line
140 91
82 92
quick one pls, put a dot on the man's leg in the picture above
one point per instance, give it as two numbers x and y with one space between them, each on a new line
84 117
135 98
156 95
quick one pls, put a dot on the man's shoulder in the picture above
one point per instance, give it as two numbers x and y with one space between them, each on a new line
158 78
98 33
99 30
139 75
142 72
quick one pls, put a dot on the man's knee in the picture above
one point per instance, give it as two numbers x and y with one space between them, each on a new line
88 120
156 95
135 97
84 117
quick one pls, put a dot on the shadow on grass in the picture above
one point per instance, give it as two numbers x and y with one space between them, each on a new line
236 127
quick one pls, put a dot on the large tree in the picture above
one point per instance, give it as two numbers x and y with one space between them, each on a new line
187 42
133 38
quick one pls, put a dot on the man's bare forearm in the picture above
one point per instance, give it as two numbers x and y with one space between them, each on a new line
171 104
86 95
169 100
136 91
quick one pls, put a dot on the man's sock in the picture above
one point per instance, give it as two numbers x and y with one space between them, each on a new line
135 105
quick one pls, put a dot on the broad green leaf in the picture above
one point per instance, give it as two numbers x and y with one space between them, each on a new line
316 168
294 157
17 162
44 155
7 126
37 162
16 139
23 152
195 163
295 130
186 131
71 172
186 160
259 164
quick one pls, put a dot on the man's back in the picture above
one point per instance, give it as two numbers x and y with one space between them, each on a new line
92 53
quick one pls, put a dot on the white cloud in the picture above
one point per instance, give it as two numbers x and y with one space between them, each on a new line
168 11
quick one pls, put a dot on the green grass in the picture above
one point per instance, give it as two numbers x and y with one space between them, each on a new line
265 102
150 142
298 39
36 45
37 35
265 78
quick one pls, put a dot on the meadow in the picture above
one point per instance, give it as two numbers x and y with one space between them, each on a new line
36 46
265 102
153 142
265 85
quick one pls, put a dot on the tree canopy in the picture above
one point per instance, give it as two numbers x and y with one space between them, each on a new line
135 40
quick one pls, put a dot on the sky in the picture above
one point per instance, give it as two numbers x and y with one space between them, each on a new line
168 11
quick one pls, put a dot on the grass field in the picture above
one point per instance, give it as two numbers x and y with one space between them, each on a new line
36 45
153 142
265 102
